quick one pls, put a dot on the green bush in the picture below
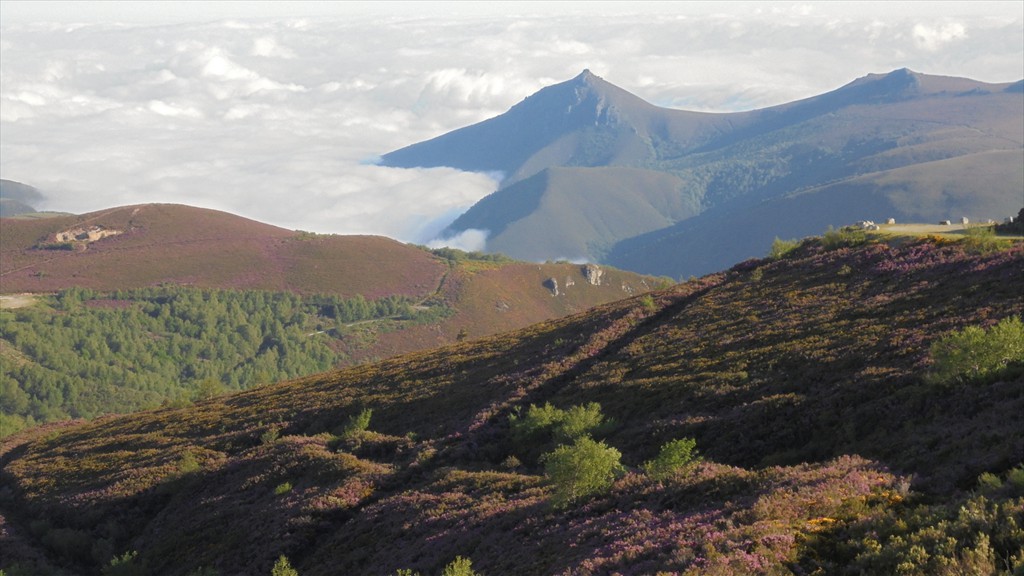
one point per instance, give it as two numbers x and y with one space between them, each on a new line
125 565
843 237
586 467
283 568
542 423
673 456
983 240
782 247
357 423
975 352
459 567
648 303
270 435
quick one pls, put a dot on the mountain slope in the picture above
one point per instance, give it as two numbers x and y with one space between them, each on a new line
729 164
17 198
781 370
159 300
564 211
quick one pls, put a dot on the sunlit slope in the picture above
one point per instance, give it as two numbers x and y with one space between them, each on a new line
802 380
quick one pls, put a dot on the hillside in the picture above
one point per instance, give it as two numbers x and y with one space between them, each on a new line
647 182
160 304
804 380
143 246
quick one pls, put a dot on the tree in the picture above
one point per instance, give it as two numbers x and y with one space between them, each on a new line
283 568
581 469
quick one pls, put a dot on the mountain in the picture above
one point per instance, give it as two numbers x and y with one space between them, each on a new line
664 185
17 198
809 382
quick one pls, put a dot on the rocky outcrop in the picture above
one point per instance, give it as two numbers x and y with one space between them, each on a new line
85 234
552 285
593 273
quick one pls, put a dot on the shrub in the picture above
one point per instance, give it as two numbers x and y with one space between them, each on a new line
283 568
124 565
560 425
459 567
782 247
647 301
188 464
982 240
673 456
283 488
975 352
843 237
586 467
357 423
270 435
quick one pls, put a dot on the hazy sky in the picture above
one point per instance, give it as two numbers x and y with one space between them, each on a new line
274 110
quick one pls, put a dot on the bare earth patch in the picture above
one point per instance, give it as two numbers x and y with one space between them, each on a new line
923 229
955 229
12 301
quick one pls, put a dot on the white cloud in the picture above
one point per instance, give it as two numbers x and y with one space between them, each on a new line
932 38
275 119
267 46
471 240
165 109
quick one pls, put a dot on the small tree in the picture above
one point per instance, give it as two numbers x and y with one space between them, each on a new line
283 568
584 468
673 456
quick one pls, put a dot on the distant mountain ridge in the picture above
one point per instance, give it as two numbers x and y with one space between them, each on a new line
17 198
909 146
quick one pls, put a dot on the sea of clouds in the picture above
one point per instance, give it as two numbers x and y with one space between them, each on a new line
280 119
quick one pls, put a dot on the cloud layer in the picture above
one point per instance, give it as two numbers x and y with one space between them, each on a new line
278 120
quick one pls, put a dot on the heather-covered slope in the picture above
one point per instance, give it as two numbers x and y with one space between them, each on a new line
165 243
181 245
802 379
163 315
901 145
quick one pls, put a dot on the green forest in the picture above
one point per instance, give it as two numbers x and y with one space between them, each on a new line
81 353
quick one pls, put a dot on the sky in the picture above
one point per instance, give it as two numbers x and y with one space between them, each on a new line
276 111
